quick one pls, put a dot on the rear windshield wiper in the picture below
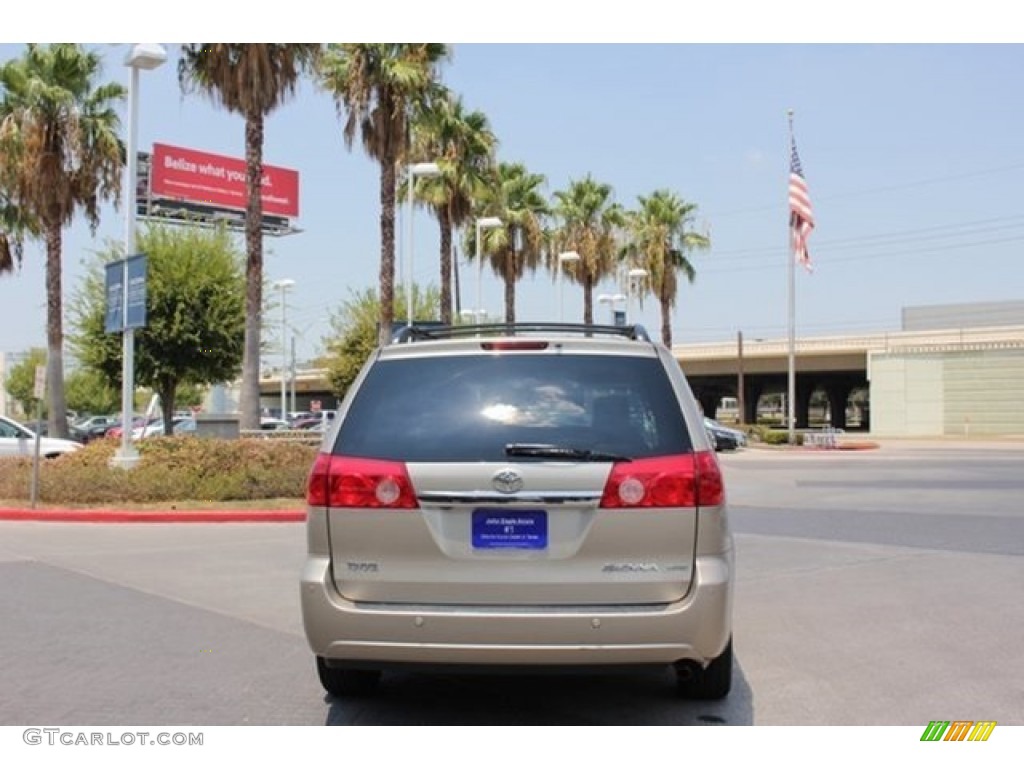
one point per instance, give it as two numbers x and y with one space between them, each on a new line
548 451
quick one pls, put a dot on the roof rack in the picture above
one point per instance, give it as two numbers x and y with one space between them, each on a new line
412 333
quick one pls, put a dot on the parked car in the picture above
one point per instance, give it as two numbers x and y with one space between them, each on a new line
37 427
313 425
725 438
543 497
294 416
273 425
185 425
87 430
18 440
137 423
179 425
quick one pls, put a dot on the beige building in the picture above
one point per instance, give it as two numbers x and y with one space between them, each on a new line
970 384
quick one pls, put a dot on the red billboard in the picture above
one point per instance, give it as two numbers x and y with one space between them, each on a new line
219 181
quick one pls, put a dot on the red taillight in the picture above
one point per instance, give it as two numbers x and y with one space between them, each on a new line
503 346
710 485
686 480
342 481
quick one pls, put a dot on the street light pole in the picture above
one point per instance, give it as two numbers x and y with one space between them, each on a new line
283 286
414 170
141 56
740 386
489 222
563 259
291 373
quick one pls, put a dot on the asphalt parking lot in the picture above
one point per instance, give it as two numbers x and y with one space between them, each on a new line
876 587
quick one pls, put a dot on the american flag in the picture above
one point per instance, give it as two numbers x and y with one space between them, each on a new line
801 217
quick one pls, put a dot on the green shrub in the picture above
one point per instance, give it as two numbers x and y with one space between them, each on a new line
779 437
170 469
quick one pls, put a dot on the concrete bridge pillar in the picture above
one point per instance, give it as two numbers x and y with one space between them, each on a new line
708 402
804 389
838 393
751 394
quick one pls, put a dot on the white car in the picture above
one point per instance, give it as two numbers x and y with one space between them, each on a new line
179 424
268 424
18 440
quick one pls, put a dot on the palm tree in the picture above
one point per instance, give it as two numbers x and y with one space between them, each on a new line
59 153
379 86
589 225
14 225
463 145
514 196
252 80
661 235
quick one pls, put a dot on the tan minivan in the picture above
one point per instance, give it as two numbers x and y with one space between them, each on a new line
535 496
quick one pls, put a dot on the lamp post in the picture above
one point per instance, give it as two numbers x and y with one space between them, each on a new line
414 170
635 276
610 299
741 404
488 222
563 259
283 286
141 56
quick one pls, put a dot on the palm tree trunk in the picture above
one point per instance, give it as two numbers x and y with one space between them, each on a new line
249 399
57 418
588 299
387 248
445 218
510 277
666 321
510 295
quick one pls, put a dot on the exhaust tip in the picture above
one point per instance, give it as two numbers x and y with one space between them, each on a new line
687 670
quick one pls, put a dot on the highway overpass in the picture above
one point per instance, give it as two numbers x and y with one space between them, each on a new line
916 383
944 380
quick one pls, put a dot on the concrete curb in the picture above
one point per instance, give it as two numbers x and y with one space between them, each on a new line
155 516
840 448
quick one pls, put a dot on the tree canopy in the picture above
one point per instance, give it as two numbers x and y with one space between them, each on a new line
354 332
252 80
60 153
195 313
379 87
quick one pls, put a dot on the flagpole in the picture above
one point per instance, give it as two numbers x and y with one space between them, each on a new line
791 260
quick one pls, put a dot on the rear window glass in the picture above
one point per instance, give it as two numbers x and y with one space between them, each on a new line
469 408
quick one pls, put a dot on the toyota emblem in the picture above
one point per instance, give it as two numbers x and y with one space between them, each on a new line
508 481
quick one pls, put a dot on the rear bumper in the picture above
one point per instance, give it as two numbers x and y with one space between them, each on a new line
696 628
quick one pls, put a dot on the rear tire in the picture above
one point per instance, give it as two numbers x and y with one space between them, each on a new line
342 683
713 682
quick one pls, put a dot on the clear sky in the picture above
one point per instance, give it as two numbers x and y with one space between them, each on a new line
914 156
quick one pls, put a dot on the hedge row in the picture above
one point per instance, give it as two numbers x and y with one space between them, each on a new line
170 469
770 436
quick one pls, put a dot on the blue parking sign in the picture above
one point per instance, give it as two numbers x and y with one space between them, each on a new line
122 314
114 318
135 317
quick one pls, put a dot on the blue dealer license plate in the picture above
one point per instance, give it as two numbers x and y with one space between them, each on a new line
510 529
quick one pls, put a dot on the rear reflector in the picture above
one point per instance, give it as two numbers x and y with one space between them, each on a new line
346 482
686 480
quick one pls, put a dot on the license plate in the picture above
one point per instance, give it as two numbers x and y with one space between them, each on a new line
508 529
